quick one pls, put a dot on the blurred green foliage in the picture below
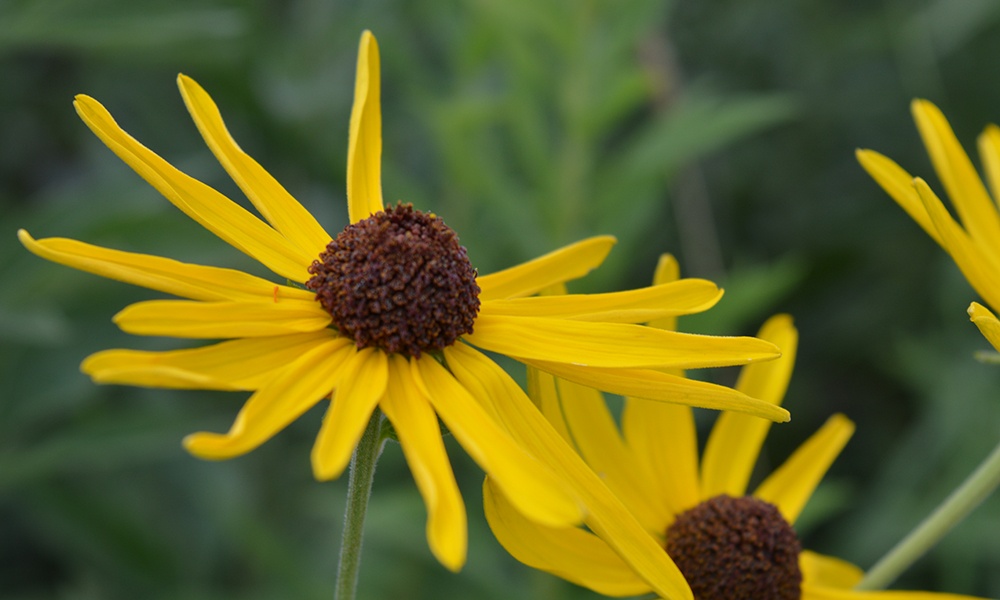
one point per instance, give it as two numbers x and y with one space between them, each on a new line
720 131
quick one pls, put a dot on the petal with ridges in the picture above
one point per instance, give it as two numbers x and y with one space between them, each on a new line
899 185
221 320
364 145
419 435
565 264
987 323
280 209
209 208
162 274
791 485
362 384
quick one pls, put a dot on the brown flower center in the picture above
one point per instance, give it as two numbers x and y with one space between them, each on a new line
398 281
736 549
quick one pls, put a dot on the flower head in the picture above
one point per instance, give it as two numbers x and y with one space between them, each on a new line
383 316
726 543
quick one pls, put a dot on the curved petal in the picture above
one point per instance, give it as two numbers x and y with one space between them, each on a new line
277 403
735 441
362 383
791 485
215 320
209 208
532 486
987 323
233 365
157 273
419 434
607 516
667 271
989 150
611 345
364 146
570 553
827 571
634 306
664 387
898 184
565 264
280 209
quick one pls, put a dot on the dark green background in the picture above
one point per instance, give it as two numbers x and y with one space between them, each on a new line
723 132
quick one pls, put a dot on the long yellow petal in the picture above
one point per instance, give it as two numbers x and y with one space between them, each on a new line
212 210
233 365
898 184
419 435
654 385
570 553
735 441
364 146
276 404
363 382
989 150
634 306
221 320
272 200
565 264
162 274
828 571
791 485
613 345
607 516
987 323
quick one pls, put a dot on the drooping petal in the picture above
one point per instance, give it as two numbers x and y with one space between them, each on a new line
221 320
565 264
634 306
209 208
419 435
987 323
280 209
277 403
732 447
570 553
664 387
828 571
232 365
989 150
362 383
607 516
532 486
157 273
898 184
791 485
612 345
364 146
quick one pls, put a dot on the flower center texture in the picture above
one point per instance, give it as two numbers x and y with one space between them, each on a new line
399 281
736 549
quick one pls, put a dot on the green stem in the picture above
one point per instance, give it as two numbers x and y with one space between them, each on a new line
359 487
976 488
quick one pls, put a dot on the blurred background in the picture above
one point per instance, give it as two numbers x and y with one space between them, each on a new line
723 132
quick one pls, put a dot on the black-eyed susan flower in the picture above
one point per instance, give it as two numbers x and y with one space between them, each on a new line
726 543
377 318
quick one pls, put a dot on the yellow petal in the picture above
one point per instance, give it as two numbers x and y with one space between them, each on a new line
565 264
362 383
212 210
898 184
791 485
544 393
735 441
960 179
611 344
667 271
634 306
221 320
233 365
606 516
827 571
987 323
654 385
364 146
533 487
419 435
570 553
277 403
989 150
272 200
163 274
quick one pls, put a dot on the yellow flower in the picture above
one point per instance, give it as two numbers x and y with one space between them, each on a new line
379 317
974 244
691 509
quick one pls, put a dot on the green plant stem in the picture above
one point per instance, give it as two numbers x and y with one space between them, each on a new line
976 488
359 487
